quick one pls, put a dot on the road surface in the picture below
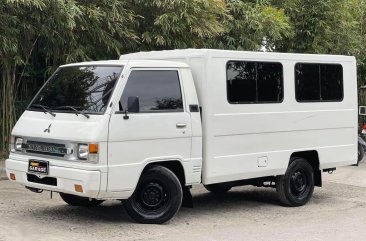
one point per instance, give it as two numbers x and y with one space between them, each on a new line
336 212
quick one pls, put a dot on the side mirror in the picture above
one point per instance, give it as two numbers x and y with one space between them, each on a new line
133 104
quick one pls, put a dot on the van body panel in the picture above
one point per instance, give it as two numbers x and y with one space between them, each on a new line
237 136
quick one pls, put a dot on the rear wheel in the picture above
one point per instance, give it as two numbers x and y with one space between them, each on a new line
157 198
218 188
296 187
74 200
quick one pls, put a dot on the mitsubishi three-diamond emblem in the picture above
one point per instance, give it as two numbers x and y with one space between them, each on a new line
48 129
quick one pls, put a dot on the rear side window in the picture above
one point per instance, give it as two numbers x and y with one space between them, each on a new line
254 82
158 90
318 82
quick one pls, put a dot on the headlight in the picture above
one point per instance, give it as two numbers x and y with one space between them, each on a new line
18 143
88 152
83 151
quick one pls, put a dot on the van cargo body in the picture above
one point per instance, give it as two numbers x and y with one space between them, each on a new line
237 136
147 127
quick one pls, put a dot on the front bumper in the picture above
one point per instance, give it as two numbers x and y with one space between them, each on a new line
66 177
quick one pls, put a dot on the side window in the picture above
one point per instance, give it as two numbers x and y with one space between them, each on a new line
254 82
158 90
318 82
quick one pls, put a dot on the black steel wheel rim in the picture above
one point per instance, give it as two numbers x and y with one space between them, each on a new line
152 197
299 183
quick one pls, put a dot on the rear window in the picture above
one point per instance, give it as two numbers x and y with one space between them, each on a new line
318 82
254 82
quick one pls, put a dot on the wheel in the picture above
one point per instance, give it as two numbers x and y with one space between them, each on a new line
218 188
74 200
361 153
296 187
157 198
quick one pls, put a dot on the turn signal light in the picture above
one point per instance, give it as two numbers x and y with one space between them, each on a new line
12 176
93 148
78 188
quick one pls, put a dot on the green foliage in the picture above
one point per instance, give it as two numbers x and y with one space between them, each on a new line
361 56
167 24
322 26
252 26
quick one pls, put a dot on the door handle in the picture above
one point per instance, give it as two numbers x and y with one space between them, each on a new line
181 125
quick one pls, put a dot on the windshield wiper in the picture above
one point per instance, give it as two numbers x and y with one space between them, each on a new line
45 108
77 112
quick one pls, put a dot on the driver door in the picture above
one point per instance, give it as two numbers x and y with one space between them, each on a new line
161 130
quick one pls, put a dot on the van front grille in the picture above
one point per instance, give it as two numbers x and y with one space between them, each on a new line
51 149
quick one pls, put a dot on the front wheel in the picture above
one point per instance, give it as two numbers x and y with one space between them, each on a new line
296 187
157 198
74 200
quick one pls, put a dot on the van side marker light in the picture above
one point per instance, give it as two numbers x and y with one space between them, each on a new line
12 176
78 188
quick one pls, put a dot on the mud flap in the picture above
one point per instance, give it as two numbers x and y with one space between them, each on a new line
187 201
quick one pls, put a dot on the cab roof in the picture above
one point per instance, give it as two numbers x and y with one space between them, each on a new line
132 63
233 54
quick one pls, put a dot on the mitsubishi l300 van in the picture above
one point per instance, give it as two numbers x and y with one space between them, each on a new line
145 128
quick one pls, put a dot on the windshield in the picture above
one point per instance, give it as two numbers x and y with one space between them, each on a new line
84 88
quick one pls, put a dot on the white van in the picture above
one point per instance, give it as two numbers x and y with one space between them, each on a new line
147 127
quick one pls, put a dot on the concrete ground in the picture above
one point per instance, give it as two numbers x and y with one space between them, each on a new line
336 212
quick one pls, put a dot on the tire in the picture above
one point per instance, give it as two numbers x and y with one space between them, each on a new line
74 200
361 153
157 198
296 187
218 188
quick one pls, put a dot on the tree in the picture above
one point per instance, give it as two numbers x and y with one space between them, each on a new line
253 25
169 24
322 26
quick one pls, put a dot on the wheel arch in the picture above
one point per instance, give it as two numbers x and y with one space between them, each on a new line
312 157
173 165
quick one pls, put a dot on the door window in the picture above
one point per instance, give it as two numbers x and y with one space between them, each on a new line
158 90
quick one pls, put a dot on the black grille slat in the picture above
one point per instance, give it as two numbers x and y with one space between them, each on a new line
45 153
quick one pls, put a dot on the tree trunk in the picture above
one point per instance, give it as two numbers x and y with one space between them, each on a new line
7 105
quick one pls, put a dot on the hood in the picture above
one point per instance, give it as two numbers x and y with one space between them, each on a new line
64 126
